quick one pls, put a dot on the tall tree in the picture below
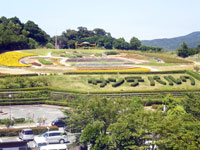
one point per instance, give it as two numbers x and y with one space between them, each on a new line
135 43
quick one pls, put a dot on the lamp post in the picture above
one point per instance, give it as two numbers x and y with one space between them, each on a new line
10 96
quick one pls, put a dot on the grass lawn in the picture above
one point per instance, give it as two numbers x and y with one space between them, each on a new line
44 52
80 83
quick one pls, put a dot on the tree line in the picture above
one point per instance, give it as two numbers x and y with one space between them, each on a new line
16 35
185 51
124 124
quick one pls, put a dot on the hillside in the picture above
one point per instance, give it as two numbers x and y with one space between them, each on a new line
192 39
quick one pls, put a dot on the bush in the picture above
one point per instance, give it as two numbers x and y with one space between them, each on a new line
169 81
192 81
19 120
135 83
152 82
111 79
111 53
118 83
50 46
157 78
177 81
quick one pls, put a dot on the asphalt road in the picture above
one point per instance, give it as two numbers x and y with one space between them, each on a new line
34 112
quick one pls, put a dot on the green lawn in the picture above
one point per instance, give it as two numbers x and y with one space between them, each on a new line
44 52
80 83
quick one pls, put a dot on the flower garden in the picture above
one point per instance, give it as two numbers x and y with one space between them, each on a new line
11 59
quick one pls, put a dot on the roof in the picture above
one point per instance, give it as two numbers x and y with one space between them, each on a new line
85 43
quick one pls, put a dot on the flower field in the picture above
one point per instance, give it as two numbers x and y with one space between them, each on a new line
114 70
11 59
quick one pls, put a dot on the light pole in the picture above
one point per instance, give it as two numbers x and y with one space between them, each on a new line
10 96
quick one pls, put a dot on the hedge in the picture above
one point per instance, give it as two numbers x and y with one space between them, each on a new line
177 81
111 79
18 75
104 72
157 78
193 74
169 81
15 131
152 82
118 83
135 83
23 99
192 80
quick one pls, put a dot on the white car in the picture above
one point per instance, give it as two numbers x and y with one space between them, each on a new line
54 147
38 142
55 137
26 134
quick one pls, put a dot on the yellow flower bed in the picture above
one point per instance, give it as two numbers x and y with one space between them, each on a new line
11 59
116 70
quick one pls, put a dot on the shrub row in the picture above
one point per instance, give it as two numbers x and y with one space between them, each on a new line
111 53
152 82
157 78
169 81
111 79
15 131
16 120
191 80
23 99
49 102
104 72
193 74
132 79
177 81
118 83
135 83
18 75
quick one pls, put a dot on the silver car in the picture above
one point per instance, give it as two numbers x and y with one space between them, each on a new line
55 137
26 134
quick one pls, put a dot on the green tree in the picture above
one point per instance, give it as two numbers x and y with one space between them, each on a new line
183 50
135 43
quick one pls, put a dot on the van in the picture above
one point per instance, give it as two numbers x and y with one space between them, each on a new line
54 137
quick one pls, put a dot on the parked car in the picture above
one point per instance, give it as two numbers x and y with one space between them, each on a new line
54 137
26 134
60 122
38 142
54 147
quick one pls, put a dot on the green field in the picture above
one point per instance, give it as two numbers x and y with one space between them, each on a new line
79 83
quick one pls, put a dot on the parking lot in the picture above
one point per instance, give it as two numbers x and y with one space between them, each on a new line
33 112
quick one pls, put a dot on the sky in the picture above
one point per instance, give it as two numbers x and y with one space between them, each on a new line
144 19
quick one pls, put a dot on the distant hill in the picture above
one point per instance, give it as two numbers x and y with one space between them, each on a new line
171 44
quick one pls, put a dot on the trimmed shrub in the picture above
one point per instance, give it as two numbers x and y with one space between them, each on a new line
169 81
183 78
19 120
192 81
193 74
135 83
111 79
152 82
157 78
177 81
111 53
103 83
118 83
